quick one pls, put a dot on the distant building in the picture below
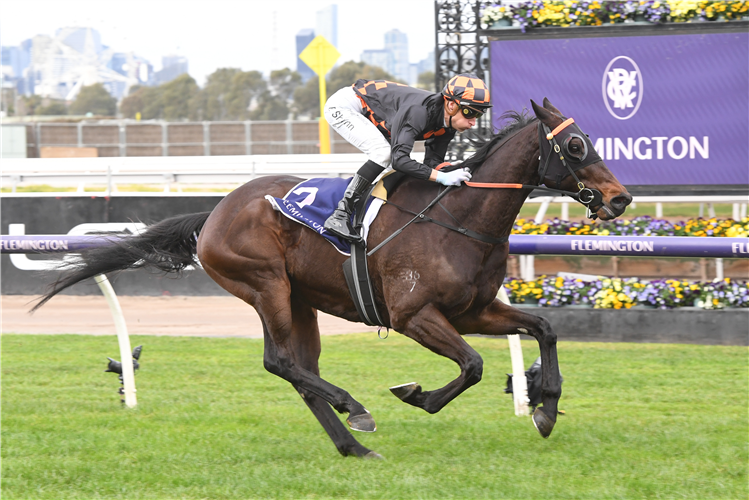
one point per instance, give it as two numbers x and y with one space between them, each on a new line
16 59
397 43
420 67
131 66
327 24
172 67
58 67
379 57
426 64
83 40
303 38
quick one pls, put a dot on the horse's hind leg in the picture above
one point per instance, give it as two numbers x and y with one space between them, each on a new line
305 339
273 304
500 319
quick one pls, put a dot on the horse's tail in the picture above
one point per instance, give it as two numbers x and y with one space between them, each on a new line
168 246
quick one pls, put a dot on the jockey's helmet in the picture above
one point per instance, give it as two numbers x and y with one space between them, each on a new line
468 91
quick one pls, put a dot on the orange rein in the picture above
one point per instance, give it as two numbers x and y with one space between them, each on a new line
495 185
498 185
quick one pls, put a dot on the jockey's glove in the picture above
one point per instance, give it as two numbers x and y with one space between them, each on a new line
454 178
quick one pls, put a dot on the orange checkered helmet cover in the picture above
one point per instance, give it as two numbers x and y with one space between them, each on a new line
468 90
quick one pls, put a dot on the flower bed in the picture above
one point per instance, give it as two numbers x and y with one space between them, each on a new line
639 226
616 293
538 13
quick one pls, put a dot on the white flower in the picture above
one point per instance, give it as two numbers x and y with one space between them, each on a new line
494 13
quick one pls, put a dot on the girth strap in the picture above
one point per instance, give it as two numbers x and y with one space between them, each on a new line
356 272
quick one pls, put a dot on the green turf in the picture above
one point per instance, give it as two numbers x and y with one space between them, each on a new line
643 421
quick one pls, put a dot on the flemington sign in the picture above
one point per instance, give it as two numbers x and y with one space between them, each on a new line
642 246
660 110
520 244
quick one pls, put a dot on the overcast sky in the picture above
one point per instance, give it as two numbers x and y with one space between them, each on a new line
247 34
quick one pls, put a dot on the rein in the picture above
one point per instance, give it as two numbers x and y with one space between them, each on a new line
585 196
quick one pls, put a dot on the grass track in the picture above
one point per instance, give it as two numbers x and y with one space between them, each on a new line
643 421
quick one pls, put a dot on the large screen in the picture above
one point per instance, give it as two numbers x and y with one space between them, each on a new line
661 110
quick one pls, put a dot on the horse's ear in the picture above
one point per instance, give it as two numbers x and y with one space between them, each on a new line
542 114
548 105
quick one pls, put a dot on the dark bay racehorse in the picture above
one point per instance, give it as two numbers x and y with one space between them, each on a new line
431 284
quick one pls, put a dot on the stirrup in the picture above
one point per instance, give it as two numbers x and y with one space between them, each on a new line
341 227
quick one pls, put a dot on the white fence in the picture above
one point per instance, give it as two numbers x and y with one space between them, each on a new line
178 172
172 172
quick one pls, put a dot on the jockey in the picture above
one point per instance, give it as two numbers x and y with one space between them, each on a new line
384 119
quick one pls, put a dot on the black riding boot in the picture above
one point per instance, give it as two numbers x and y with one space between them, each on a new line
340 222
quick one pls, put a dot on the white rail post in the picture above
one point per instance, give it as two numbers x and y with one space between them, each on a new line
126 353
519 382
529 270
719 269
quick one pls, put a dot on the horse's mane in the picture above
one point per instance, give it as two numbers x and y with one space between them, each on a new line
516 122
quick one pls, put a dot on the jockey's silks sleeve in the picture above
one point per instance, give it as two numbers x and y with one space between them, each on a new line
405 115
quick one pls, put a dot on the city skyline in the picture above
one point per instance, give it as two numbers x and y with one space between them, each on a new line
220 40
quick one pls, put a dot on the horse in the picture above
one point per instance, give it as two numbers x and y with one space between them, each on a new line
430 284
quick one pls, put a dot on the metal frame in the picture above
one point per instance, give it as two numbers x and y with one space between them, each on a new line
460 48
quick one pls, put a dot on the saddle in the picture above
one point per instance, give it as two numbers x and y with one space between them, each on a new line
312 201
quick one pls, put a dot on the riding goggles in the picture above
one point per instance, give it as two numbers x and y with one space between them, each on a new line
470 112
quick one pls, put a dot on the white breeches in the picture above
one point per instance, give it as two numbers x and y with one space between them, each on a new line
343 111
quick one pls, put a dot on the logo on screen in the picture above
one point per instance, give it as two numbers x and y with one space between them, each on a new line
622 87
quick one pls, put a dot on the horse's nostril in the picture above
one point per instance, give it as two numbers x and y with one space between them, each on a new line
620 202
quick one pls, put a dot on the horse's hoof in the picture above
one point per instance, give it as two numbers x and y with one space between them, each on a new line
544 425
362 422
404 391
374 455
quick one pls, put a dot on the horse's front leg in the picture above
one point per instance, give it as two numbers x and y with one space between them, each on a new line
500 319
430 328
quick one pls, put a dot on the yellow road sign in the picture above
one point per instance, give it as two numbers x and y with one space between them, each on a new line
320 55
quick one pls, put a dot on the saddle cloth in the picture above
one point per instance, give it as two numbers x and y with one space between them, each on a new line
312 201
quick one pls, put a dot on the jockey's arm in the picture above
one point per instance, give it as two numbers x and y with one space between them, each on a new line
436 148
406 129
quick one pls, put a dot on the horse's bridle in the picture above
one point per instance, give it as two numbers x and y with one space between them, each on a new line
566 162
560 163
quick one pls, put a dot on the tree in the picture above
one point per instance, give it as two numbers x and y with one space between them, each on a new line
177 97
426 81
134 102
94 99
284 82
52 108
174 100
31 103
228 94
307 97
270 107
